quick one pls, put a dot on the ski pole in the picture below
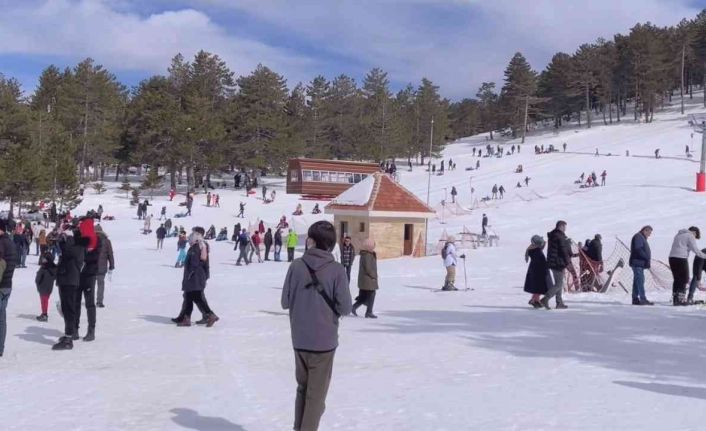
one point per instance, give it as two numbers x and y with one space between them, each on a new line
465 277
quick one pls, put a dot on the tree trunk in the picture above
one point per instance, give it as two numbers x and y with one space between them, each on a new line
604 120
117 172
524 127
588 107
637 104
102 171
172 176
704 83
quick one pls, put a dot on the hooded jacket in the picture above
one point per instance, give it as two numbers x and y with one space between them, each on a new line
8 253
558 250
70 264
314 325
106 262
685 242
292 239
196 267
640 253
45 278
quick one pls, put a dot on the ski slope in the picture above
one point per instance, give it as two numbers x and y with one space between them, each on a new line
477 360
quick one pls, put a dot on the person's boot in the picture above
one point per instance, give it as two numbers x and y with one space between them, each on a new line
211 320
561 306
545 303
64 343
100 305
90 335
636 301
42 317
75 336
646 302
203 320
353 310
184 322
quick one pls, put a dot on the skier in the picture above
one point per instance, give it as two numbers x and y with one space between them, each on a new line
495 191
196 274
603 175
484 225
242 246
448 254
106 263
163 214
46 275
268 243
558 259
278 244
501 190
292 240
684 242
313 318
537 278
367 279
181 250
453 194
8 259
347 255
640 260
161 234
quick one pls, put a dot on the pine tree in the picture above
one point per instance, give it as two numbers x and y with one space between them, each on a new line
516 94
152 181
317 91
555 85
488 100
126 187
99 187
376 113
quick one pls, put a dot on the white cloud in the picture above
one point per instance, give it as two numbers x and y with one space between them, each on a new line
125 41
410 39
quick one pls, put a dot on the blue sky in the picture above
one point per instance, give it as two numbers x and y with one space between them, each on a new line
456 43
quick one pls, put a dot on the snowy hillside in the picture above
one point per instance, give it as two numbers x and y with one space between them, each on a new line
477 360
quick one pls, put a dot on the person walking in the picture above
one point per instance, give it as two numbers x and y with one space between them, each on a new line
537 279
347 255
182 242
189 203
501 190
292 240
316 293
484 225
558 259
453 194
241 214
242 246
684 243
161 234
495 191
196 274
73 251
367 279
208 199
163 214
88 277
44 280
698 267
448 254
268 243
255 242
278 244
106 264
21 246
8 262
640 260
604 174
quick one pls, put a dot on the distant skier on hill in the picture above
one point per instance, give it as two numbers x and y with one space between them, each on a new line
495 191
603 175
657 153
453 194
484 225
501 190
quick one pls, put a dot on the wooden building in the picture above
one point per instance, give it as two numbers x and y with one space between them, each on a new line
325 177
381 209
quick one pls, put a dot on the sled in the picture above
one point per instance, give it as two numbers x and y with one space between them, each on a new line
611 274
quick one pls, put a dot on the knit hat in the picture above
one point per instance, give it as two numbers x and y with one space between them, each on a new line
537 240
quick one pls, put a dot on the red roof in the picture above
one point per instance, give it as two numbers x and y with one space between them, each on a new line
386 195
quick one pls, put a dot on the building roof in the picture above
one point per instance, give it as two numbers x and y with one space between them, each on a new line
379 195
310 162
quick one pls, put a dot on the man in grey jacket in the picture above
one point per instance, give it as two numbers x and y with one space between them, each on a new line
316 294
106 263
684 242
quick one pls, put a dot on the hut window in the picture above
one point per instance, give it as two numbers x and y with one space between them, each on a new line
341 177
362 227
364 176
307 175
324 177
317 175
349 177
294 176
356 178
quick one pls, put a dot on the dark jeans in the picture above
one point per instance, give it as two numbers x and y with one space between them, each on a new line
196 297
4 299
243 255
267 251
367 298
348 272
278 250
290 254
680 272
87 288
313 374
638 284
67 295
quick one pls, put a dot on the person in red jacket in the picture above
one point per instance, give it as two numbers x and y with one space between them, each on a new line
256 243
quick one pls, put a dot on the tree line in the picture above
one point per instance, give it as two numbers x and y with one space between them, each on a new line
199 118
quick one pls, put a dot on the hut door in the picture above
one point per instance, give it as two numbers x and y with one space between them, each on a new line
408 239
344 229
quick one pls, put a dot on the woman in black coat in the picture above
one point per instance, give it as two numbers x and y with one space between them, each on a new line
536 281
45 283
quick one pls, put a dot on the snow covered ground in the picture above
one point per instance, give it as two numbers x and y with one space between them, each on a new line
477 360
